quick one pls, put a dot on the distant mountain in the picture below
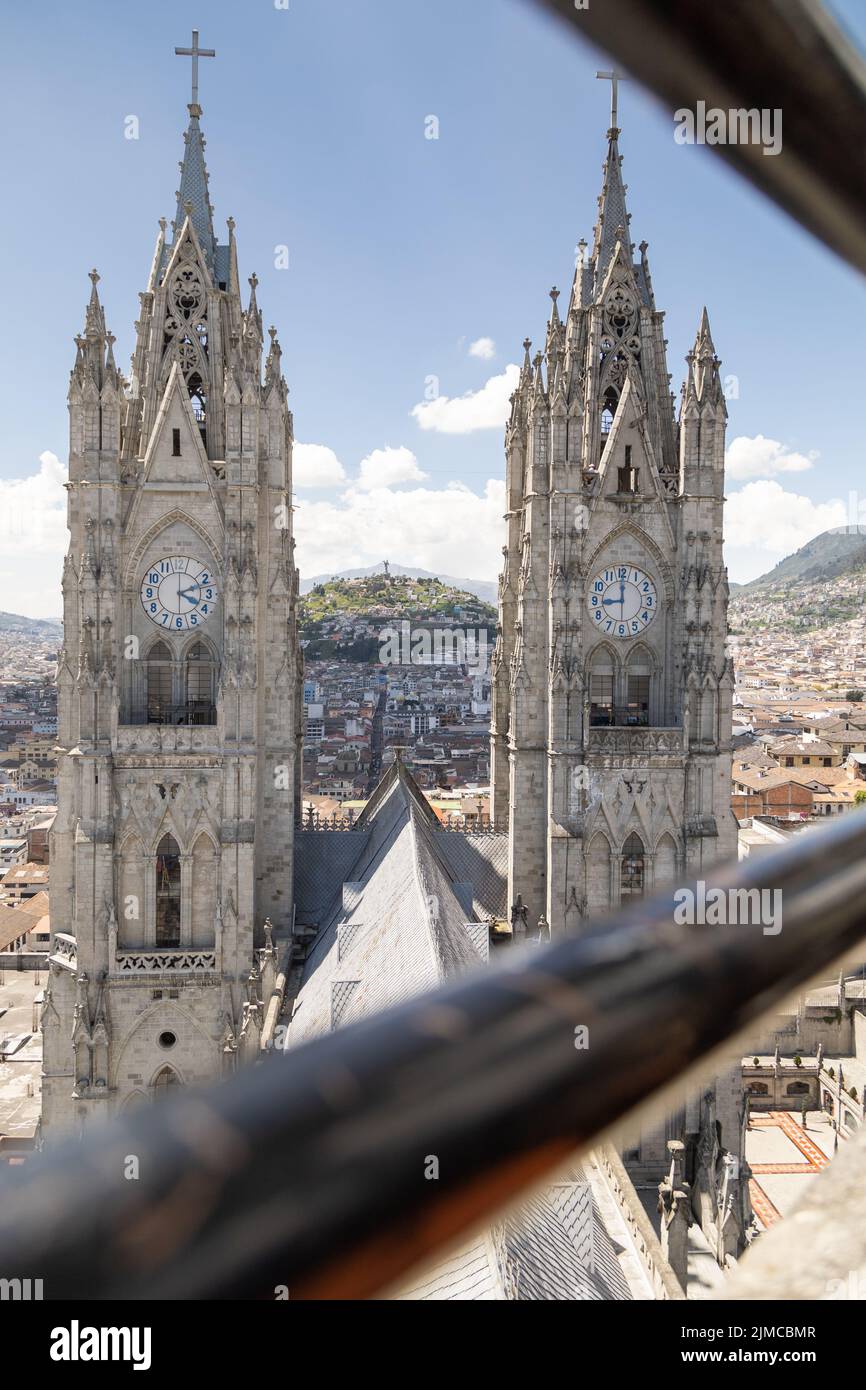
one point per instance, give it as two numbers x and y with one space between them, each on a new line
826 557
34 627
482 588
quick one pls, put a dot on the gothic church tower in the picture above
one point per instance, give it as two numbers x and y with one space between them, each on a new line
612 689
178 683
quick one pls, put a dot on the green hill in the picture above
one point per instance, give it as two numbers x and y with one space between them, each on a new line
829 555
344 617
35 627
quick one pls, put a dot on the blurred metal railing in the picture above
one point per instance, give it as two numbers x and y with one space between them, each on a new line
785 55
308 1172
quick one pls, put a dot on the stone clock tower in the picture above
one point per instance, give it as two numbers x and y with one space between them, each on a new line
611 733
178 684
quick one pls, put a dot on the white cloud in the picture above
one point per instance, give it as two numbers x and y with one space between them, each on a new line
450 530
485 348
764 523
387 467
33 540
486 409
315 465
747 458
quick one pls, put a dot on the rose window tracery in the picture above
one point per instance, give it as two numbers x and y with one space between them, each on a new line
187 292
619 312
185 330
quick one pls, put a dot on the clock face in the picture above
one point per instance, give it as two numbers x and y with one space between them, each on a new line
622 601
178 594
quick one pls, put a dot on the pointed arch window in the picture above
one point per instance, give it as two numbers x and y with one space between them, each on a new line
168 892
200 684
198 397
632 876
166 1078
638 686
608 411
602 679
160 668
598 880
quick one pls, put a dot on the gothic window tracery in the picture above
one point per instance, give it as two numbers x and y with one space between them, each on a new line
619 312
185 332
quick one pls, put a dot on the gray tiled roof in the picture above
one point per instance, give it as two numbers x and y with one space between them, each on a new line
401 926
481 860
323 861
393 900
471 1273
554 1247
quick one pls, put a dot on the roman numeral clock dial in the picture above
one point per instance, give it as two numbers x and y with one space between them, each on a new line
178 594
622 601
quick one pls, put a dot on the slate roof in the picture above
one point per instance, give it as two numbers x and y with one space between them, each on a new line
400 905
553 1248
391 913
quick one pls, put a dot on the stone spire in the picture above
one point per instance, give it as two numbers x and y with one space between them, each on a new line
613 218
94 358
193 193
94 318
703 375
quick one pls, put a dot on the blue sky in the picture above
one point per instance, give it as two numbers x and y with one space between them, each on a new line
403 252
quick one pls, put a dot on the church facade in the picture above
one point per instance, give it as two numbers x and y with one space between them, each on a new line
179 684
612 687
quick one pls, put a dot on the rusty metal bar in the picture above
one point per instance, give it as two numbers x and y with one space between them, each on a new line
308 1172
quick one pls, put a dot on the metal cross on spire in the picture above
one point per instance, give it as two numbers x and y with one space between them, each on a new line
195 53
614 78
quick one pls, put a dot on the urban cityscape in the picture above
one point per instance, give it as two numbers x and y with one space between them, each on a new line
481 921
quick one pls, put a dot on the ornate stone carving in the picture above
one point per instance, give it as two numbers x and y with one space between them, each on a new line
160 962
